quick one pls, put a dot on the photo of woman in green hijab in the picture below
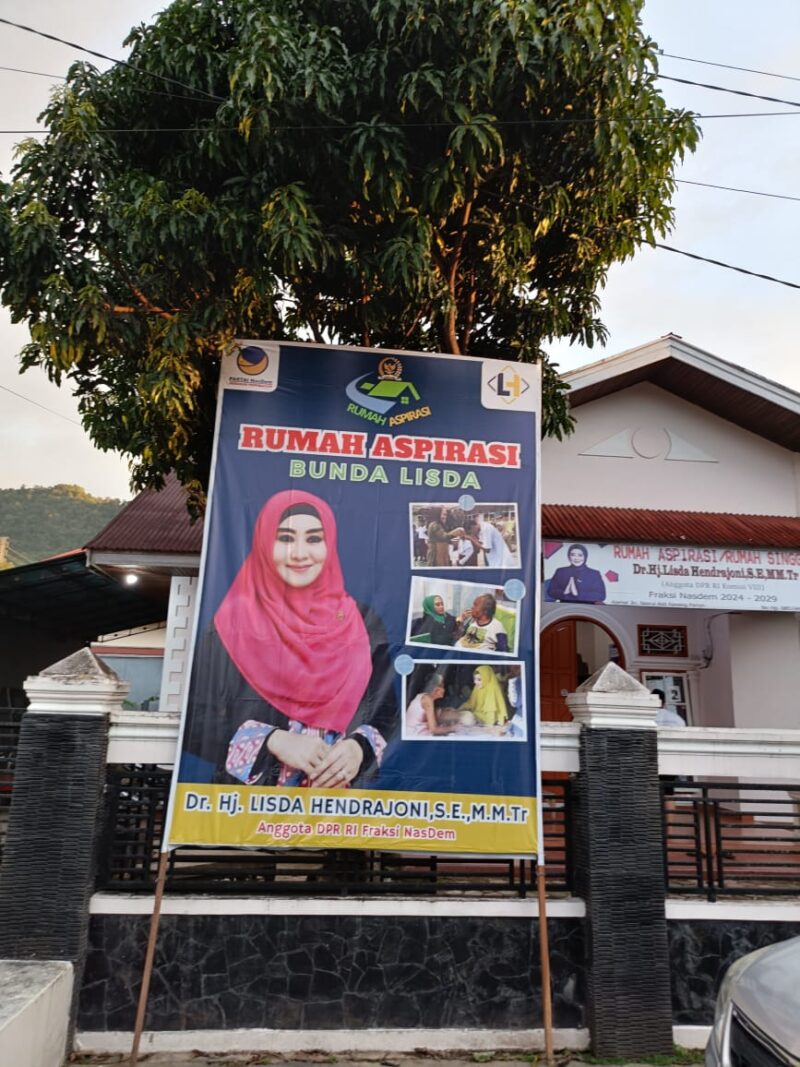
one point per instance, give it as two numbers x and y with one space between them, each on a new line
437 626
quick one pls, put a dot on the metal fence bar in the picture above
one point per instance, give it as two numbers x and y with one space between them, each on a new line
135 812
725 838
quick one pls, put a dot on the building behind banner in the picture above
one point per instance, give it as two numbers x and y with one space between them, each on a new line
681 485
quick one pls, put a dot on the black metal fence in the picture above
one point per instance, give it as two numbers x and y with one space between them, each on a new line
10 720
135 810
731 838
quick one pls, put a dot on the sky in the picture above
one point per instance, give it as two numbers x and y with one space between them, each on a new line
742 319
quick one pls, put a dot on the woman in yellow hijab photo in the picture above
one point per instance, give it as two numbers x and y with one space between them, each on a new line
486 701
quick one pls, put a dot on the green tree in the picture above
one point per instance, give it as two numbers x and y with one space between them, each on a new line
452 175
43 521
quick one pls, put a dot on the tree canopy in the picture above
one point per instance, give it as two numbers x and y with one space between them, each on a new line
447 175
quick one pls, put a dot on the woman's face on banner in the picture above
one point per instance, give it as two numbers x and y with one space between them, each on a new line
299 552
438 605
577 557
477 681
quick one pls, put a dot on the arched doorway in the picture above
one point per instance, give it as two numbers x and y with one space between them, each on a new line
571 650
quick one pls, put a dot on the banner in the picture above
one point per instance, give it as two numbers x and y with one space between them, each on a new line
672 576
362 667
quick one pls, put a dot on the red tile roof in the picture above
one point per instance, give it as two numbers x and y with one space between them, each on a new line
159 523
152 522
669 527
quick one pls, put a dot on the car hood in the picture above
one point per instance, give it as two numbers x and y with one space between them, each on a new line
768 992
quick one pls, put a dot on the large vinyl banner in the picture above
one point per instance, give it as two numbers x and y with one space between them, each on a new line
672 576
363 672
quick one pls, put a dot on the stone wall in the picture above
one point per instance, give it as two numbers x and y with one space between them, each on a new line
330 972
702 950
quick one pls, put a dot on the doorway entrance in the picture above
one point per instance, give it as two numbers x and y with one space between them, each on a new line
571 650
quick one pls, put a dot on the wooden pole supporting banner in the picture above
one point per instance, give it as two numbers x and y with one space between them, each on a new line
544 956
161 878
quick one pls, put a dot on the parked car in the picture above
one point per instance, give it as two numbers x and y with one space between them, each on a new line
757 1020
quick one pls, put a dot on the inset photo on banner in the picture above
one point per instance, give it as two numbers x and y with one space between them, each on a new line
460 701
470 616
569 576
450 535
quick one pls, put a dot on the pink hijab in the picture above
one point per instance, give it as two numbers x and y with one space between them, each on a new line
305 651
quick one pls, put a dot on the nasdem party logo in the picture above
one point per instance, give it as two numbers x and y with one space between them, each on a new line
252 360
251 366
509 385
385 398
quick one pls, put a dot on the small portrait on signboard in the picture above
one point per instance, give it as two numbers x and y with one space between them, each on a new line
466 615
447 535
576 583
463 701
292 681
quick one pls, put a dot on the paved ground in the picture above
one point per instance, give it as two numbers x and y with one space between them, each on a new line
258 1058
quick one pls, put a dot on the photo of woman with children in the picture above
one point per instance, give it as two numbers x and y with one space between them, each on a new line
445 535
465 702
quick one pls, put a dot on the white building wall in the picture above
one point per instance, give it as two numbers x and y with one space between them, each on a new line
650 449
715 681
765 670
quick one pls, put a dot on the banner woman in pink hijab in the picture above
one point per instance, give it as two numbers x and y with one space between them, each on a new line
292 683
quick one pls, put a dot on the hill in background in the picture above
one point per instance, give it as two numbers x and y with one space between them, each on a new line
43 521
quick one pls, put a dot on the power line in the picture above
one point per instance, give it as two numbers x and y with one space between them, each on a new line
730 66
733 189
150 92
111 59
728 266
349 126
735 92
36 403
38 73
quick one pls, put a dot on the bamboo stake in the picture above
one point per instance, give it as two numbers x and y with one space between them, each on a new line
149 957
544 956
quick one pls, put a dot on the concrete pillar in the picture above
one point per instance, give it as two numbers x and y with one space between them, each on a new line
180 618
47 876
618 856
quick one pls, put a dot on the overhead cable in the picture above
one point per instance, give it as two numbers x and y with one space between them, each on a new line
111 59
349 126
38 73
724 89
733 189
730 66
728 266
36 403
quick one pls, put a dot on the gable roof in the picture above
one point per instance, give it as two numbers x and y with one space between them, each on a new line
746 399
155 522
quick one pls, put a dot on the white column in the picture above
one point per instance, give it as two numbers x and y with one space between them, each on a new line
79 685
612 698
180 619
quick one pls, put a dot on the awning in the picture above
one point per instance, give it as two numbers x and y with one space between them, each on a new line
63 597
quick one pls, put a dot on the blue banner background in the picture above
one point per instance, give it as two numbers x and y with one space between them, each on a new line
373 530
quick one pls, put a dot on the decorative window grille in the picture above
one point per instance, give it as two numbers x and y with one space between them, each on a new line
663 641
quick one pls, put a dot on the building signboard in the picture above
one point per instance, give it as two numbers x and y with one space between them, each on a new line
672 576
